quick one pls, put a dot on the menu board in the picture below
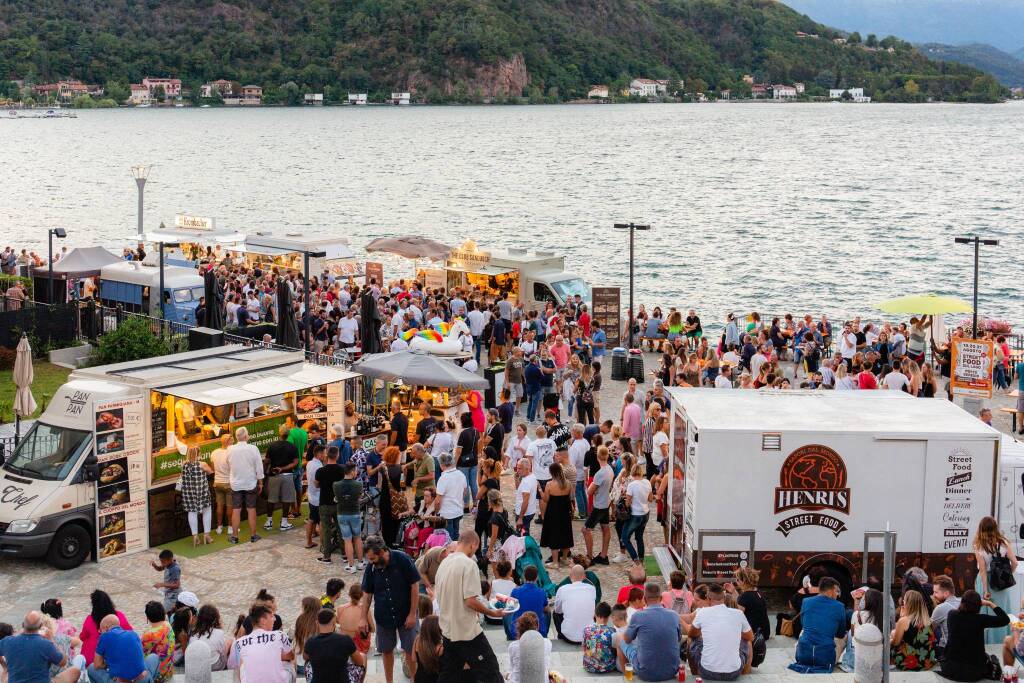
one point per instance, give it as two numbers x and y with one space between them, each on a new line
120 447
335 404
158 422
972 368
375 271
434 278
608 311
958 484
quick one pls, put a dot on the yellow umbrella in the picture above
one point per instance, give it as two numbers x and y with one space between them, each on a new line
925 304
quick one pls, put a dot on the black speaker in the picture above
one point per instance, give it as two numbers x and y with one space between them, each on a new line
204 338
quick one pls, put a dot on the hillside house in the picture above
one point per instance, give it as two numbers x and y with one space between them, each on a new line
401 98
783 92
799 88
759 91
171 86
65 91
252 96
221 87
856 94
646 87
313 99
139 94
598 91
358 99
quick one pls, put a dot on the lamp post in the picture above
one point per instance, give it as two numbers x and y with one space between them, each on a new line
977 242
60 233
140 173
632 227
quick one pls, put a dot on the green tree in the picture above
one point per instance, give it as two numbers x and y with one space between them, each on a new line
83 102
159 93
872 40
911 87
854 38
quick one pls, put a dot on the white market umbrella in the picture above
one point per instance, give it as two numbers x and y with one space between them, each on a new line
24 402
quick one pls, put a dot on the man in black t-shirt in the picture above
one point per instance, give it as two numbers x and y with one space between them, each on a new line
425 427
557 432
325 478
284 458
399 435
328 653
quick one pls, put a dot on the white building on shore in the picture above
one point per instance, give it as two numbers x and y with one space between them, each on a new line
357 98
856 94
646 87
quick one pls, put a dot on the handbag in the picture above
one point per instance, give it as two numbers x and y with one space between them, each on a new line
760 648
1000 573
399 503
785 627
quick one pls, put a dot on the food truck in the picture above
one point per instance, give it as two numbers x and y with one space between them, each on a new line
131 285
788 480
535 278
96 473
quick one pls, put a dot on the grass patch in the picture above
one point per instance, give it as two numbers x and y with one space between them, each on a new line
48 378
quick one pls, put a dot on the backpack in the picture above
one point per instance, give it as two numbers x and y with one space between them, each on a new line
587 393
1000 575
680 605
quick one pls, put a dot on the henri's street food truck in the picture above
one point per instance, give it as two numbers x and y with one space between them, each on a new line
535 278
97 472
134 286
789 480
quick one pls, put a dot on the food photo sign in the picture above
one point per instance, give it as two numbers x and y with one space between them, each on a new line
120 440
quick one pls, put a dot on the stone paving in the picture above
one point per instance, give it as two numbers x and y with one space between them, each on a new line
230 578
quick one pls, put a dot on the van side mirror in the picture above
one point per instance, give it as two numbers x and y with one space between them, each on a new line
91 468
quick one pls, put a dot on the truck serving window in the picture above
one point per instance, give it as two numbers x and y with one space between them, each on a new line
570 288
48 452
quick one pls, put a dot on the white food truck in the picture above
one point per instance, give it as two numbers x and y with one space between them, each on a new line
535 278
787 480
96 473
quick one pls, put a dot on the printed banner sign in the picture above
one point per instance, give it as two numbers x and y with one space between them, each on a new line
721 565
813 478
608 311
972 368
120 447
375 271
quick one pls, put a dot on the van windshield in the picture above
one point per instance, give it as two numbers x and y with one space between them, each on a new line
48 452
570 288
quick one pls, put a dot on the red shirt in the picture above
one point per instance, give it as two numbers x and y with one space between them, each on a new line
623 596
584 322
866 380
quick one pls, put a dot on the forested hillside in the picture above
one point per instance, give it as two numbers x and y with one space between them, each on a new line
458 49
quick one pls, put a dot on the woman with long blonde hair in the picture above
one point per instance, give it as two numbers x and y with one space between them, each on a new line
990 544
195 494
913 639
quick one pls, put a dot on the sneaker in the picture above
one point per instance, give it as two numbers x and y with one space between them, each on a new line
600 559
233 540
218 531
350 569
360 565
254 538
269 525
285 526
323 560
619 558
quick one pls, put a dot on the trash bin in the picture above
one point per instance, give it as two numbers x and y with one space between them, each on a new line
636 367
619 371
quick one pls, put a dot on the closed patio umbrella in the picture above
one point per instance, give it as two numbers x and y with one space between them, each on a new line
214 301
24 402
410 246
287 327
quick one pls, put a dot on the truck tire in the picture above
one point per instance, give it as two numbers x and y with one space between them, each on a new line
69 548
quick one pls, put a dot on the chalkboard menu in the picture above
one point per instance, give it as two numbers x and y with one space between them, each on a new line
375 271
158 425
607 311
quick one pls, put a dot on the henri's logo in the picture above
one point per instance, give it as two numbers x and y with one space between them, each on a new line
813 478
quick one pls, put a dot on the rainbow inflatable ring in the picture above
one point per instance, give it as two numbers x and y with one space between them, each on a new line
437 334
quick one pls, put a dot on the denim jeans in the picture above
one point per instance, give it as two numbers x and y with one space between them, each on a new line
452 527
103 675
477 345
470 495
635 528
532 402
581 496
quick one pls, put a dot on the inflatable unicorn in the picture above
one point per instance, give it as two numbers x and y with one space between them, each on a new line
443 339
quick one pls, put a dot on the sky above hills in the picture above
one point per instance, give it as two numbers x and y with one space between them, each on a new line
996 22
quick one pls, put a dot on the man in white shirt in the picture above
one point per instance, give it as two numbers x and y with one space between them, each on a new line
526 495
246 482
313 490
660 444
265 655
724 378
719 635
222 481
457 306
476 320
578 448
896 380
573 607
451 488
348 329
542 450
848 345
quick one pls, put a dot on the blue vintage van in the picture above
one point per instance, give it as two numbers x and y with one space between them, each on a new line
133 286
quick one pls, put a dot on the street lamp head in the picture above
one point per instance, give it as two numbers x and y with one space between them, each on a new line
59 232
140 172
963 240
630 226
990 243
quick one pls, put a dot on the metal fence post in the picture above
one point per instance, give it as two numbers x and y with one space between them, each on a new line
888 559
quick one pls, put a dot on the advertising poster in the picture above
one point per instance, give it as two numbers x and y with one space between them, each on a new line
959 482
311 404
434 278
375 271
120 447
335 404
972 368
608 311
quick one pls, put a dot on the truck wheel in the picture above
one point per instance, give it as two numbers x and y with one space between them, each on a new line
69 548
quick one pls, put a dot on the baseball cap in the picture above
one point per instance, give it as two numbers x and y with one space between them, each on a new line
189 599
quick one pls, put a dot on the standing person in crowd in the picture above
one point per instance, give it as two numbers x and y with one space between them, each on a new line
391 584
466 458
526 496
578 449
195 494
398 435
246 483
458 590
393 503
994 554
222 481
325 478
283 458
643 645
638 501
556 508
515 376
29 656
451 490
600 491
423 476
119 656
965 658
313 465
171 584
427 651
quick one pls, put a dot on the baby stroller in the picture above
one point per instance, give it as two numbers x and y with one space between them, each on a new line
371 515
414 533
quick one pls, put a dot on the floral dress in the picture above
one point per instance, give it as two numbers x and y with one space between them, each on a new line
598 653
916 652
195 487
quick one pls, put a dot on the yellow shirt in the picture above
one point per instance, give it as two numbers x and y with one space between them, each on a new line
458 578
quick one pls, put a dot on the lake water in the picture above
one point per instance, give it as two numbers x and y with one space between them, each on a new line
774 207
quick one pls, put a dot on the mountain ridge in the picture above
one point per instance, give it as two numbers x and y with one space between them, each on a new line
465 50
1007 68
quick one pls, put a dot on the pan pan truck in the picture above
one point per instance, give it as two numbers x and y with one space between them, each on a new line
789 480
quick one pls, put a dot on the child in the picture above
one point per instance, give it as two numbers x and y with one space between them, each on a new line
620 621
171 584
439 536
568 395
598 651
635 604
503 584
677 598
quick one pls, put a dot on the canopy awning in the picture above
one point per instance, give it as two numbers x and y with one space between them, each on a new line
80 262
410 246
482 269
256 386
179 235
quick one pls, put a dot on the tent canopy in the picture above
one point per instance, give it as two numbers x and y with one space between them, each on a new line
418 368
410 246
258 385
80 262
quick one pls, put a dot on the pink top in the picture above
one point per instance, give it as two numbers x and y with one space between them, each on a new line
90 635
560 354
632 416
669 597
438 537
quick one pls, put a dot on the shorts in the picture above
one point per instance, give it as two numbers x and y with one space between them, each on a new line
1020 402
222 495
243 499
280 488
596 516
350 526
515 391
298 483
314 513
387 638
